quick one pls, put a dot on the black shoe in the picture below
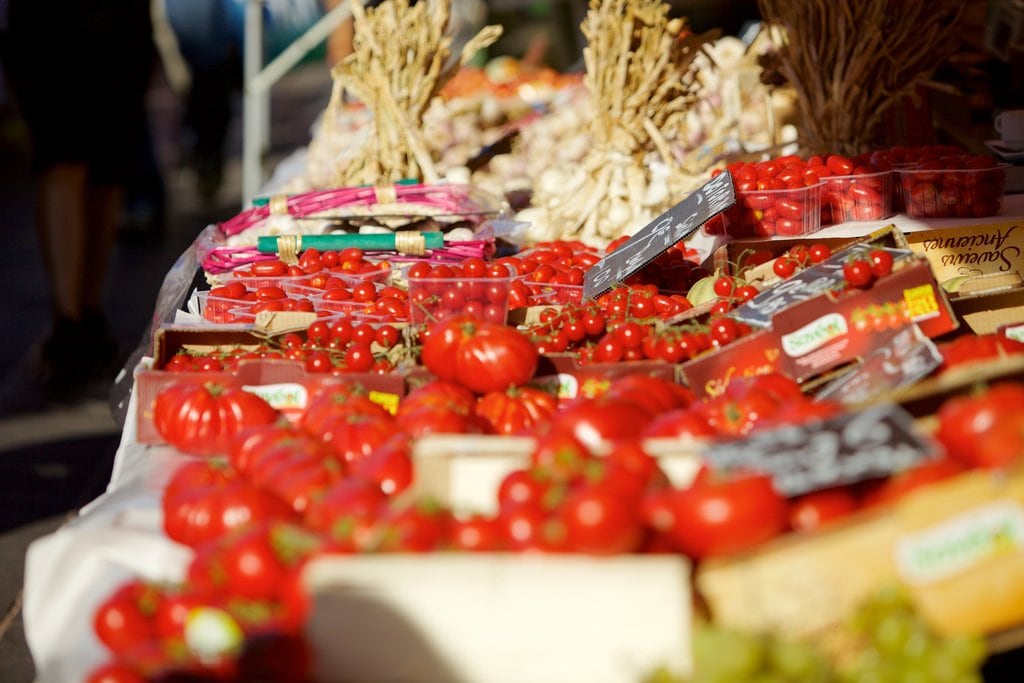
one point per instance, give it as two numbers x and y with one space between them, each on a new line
79 352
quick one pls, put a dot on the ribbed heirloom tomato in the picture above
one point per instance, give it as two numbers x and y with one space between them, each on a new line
479 355
516 410
200 418
204 500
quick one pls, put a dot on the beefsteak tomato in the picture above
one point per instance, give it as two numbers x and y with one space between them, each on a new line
517 410
204 500
479 355
200 418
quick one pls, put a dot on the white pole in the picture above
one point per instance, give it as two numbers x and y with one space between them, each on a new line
254 104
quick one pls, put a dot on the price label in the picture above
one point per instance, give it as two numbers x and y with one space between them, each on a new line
852 447
676 224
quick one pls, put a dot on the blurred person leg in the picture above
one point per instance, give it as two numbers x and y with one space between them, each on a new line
79 72
206 42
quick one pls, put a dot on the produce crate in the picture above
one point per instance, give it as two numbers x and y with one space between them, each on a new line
284 384
824 332
468 468
495 617
957 545
498 618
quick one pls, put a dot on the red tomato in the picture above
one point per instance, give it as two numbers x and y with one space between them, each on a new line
200 418
839 165
971 347
389 465
725 514
354 437
522 488
593 421
654 394
270 268
858 273
984 430
919 476
817 508
251 565
476 533
415 527
479 355
438 393
115 672
599 523
123 621
172 613
347 512
517 410
819 252
438 418
256 564
558 456
783 266
881 262
338 400
203 500
296 468
680 423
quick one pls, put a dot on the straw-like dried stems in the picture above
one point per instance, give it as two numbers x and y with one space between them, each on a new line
851 60
400 61
642 78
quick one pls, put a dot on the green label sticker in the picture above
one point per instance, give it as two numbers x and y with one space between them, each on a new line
285 396
954 546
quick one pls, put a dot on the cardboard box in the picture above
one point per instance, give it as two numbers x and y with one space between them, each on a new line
468 468
562 375
284 384
991 248
498 618
825 332
957 545
989 312
495 617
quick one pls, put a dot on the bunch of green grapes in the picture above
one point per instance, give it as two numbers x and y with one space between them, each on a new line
727 655
899 647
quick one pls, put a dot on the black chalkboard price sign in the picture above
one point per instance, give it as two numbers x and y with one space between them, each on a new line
678 223
855 446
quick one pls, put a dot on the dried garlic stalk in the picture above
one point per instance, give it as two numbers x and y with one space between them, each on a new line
851 60
400 62
642 78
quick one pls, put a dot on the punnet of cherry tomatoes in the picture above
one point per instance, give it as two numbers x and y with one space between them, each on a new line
793 196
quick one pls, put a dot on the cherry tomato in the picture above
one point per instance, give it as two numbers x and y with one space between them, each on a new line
858 273
881 262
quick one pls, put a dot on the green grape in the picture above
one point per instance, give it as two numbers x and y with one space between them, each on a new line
968 653
766 677
797 661
864 668
940 666
891 634
916 671
725 654
919 639
972 677
662 674
891 597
